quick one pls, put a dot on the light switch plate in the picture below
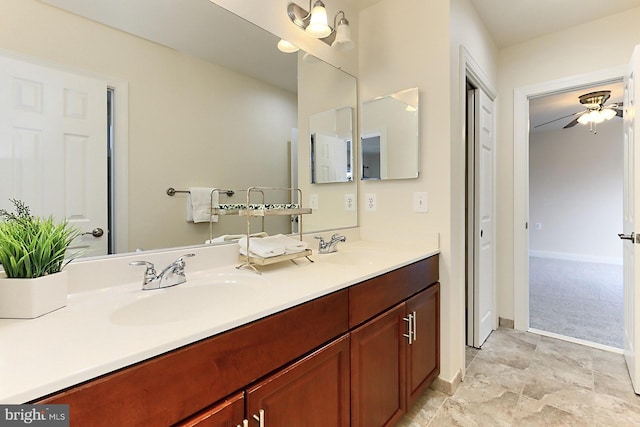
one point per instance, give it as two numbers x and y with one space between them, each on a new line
314 201
349 202
370 202
420 202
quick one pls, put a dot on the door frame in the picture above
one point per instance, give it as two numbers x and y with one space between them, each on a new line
521 96
120 180
470 70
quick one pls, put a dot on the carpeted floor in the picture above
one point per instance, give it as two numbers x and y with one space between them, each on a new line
577 299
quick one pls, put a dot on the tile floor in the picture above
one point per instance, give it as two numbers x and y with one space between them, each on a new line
523 379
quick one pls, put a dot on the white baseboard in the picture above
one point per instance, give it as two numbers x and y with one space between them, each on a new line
576 257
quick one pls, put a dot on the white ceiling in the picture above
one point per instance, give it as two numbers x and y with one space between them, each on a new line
514 21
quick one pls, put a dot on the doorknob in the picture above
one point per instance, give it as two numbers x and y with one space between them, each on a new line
631 236
96 232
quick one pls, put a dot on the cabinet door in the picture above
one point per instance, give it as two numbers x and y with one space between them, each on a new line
313 392
423 355
229 413
378 371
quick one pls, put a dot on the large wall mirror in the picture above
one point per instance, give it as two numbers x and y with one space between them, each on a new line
389 138
211 103
331 146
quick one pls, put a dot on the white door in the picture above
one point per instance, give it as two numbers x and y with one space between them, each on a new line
483 229
53 147
631 256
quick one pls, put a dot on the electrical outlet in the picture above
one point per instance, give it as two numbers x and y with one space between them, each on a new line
349 202
420 202
370 202
314 201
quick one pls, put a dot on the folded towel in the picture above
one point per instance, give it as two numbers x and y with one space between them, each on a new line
270 246
233 237
291 245
199 201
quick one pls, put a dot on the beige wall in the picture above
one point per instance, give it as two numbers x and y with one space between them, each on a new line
557 56
206 119
575 192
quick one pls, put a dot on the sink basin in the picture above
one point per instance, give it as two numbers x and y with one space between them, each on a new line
351 256
196 297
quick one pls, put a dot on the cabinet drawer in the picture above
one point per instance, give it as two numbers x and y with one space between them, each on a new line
378 294
168 388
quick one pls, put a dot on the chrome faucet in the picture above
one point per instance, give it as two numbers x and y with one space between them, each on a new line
172 275
330 246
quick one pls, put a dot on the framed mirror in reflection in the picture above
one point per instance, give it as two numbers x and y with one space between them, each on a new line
331 146
389 138
200 98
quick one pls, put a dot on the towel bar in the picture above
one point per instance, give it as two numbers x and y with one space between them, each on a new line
172 191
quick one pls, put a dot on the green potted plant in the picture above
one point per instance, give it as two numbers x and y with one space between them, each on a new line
32 254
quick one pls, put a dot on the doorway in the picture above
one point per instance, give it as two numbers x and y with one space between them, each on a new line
522 219
575 208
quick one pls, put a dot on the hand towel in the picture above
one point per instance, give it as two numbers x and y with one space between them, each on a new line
261 247
233 237
199 202
266 247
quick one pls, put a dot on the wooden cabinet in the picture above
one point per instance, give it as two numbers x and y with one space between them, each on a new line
394 357
228 413
423 355
169 388
339 360
313 392
377 370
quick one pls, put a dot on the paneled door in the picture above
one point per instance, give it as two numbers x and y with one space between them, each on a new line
631 224
481 238
53 147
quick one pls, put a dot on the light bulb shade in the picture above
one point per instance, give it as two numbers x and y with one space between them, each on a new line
343 39
287 47
596 117
318 25
584 119
608 113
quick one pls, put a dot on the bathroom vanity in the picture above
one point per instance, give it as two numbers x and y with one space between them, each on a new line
355 343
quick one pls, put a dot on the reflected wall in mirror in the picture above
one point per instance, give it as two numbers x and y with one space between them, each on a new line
331 146
321 90
202 111
389 138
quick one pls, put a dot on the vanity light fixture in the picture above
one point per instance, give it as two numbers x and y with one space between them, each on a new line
343 39
287 47
315 23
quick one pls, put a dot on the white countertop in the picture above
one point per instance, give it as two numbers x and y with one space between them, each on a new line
103 329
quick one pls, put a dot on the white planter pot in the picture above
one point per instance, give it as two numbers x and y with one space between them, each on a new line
31 298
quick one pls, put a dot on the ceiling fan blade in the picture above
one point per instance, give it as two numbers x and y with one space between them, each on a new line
618 112
559 118
572 123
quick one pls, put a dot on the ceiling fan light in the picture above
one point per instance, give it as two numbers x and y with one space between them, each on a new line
608 113
596 117
584 119
318 24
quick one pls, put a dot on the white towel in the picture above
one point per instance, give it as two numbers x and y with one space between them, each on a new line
233 238
199 202
271 246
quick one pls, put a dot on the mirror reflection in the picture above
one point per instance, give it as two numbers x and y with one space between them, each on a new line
331 146
389 138
208 101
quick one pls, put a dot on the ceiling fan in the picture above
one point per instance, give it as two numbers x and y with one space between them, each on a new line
595 111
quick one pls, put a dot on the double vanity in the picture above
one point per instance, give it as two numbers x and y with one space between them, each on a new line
349 339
